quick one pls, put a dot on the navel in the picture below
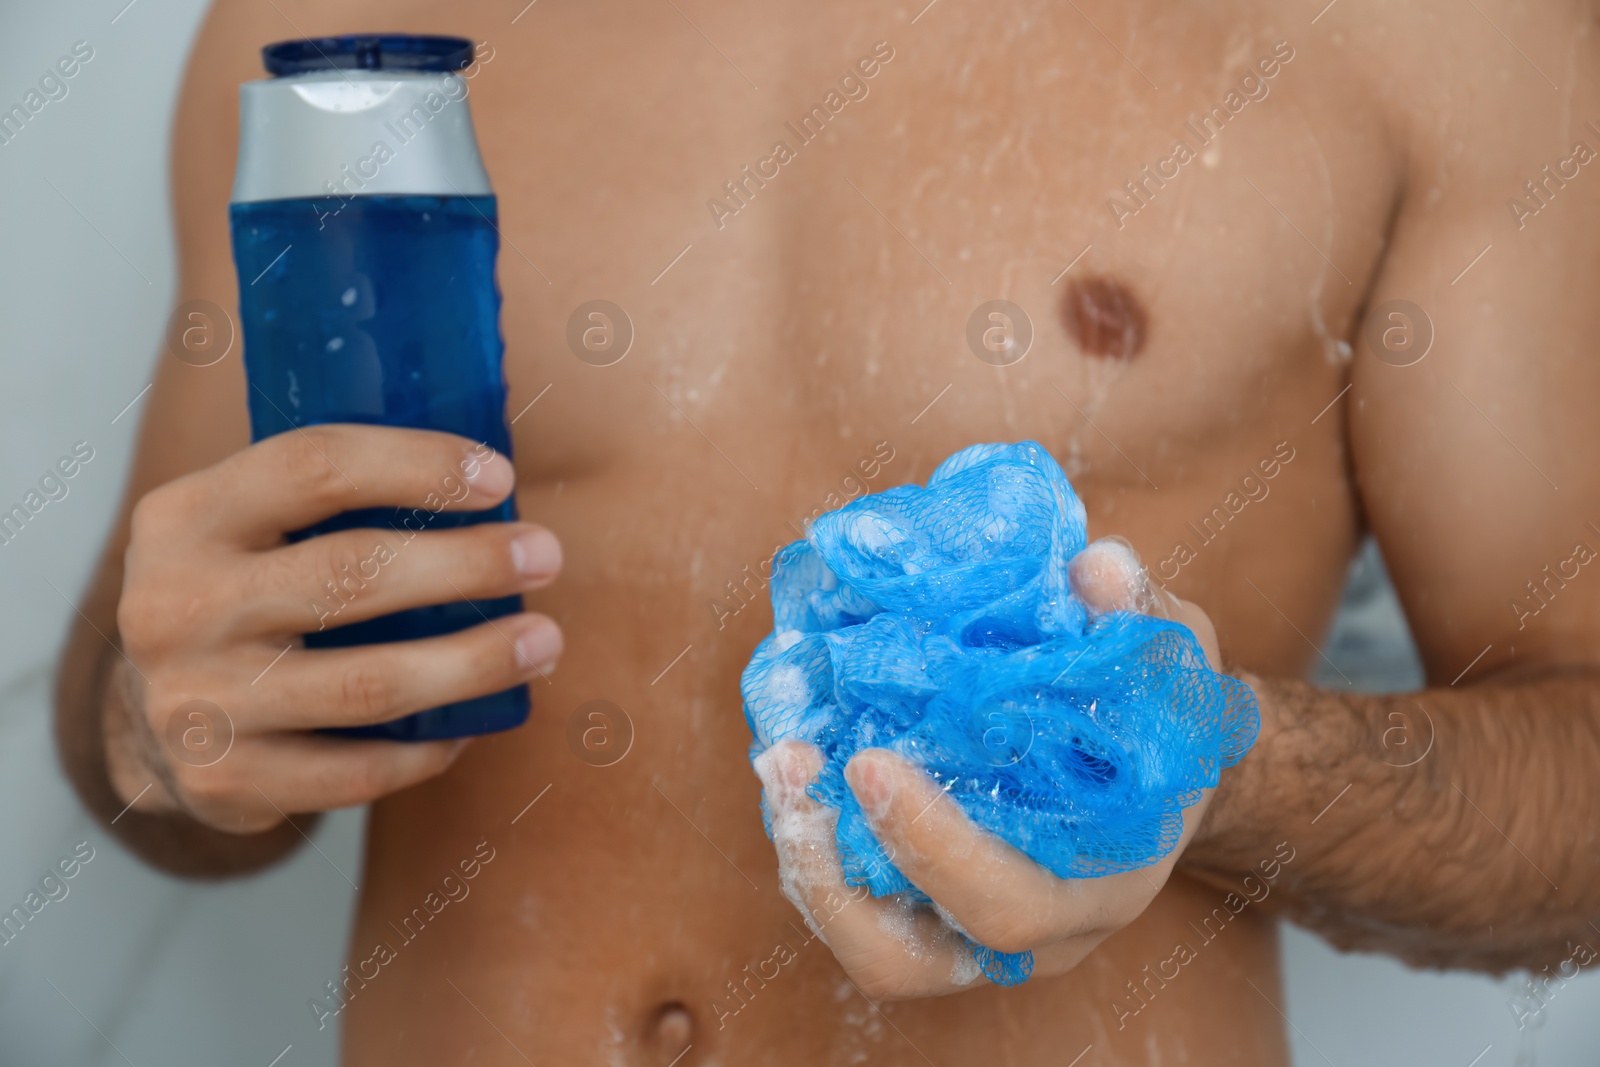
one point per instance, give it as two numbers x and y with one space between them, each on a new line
671 1033
1104 317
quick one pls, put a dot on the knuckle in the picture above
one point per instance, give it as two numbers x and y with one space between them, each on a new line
162 613
154 511
369 687
329 570
133 611
169 510
489 656
165 595
148 517
265 577
310 460
339 571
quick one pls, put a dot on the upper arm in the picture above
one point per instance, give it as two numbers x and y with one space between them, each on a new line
1480 464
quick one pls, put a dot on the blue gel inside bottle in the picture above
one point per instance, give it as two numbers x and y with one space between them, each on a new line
382 310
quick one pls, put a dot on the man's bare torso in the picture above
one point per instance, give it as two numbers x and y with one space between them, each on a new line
806 341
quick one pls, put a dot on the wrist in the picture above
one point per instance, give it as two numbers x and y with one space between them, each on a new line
1227 825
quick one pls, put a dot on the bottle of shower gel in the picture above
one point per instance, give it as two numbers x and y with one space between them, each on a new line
364 233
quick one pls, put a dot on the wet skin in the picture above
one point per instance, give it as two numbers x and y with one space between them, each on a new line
812 344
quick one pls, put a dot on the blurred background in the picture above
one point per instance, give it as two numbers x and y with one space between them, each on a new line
133 967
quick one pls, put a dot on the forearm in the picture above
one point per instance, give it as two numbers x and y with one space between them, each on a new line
88 709
1452 827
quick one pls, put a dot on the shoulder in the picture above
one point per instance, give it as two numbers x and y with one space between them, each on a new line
1461 82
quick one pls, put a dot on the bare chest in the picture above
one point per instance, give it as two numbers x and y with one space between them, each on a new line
803 233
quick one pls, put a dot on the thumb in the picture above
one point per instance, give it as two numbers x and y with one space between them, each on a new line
785 770
1107 576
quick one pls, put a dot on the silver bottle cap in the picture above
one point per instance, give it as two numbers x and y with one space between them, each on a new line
351 133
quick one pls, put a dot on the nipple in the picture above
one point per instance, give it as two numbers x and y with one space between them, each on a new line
1104 317
672 1034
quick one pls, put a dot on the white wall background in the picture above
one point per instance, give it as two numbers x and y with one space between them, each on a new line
133 967
170 973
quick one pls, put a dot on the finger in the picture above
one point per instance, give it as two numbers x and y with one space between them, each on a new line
352 575
294 479
315 688
889 948
1107 576
254 787
985 887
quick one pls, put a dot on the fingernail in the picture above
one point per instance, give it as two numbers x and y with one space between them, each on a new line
536 554
538 645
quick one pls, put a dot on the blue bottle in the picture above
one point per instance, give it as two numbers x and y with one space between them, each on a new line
364 233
